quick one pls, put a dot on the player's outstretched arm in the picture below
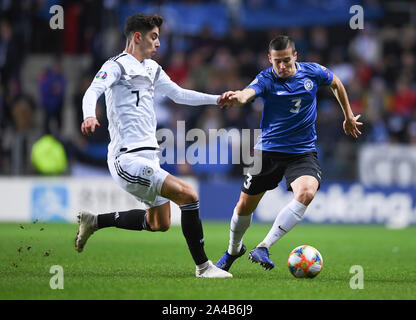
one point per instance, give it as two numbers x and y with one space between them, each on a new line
166 87
236 98
350 124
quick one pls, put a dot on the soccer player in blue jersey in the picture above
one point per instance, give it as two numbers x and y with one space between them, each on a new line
286 146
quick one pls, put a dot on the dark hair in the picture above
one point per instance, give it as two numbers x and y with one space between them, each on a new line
282 43
140 22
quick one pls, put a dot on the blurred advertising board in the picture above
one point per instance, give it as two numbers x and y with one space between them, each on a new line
387 165
333 203
59 200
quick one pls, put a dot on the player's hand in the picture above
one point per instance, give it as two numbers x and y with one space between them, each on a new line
224 100
351 126
88 125
230 99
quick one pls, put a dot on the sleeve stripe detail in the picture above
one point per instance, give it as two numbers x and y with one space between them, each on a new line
119 56
123 71
157 74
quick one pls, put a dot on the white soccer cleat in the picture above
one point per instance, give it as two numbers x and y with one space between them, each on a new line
87 226
212 271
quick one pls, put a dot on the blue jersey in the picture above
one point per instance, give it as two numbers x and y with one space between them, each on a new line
289 112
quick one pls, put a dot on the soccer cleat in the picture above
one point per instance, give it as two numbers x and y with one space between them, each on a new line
260 255
212 271
87 226
227 259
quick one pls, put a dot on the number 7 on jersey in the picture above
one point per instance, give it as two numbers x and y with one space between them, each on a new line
137 95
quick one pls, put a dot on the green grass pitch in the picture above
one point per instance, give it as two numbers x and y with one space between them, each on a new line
122 264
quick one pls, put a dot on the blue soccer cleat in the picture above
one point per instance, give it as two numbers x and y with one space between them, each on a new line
227 259
260 255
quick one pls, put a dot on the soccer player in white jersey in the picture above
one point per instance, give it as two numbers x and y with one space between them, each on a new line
130 81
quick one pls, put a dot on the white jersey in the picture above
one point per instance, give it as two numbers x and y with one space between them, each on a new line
129 87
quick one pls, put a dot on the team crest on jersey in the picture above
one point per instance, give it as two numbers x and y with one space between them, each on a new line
101 75
148 171
308 84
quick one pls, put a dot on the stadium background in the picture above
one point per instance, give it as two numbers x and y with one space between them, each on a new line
209 46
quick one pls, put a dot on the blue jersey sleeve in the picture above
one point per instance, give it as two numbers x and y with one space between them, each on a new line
324 76
259 84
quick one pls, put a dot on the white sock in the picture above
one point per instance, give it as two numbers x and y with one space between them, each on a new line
287 218
238 226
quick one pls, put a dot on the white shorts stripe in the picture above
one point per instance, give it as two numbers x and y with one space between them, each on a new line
130 178
139 174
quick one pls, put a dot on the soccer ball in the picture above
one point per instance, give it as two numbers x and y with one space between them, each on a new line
305 262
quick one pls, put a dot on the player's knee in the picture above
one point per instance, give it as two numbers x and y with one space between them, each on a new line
306 195
243 208
160 227
164 227
189 195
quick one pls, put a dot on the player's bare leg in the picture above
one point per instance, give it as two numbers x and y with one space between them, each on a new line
304 190
185 196
158 217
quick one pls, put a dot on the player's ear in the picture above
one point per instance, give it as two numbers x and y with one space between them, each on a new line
137 37
270 58
295 55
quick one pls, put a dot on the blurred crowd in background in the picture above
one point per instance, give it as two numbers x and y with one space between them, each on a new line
376 64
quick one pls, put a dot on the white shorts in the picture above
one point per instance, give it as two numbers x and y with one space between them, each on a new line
140 174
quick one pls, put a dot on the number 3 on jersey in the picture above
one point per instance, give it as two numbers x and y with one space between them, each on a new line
247 183
138 97
297 105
